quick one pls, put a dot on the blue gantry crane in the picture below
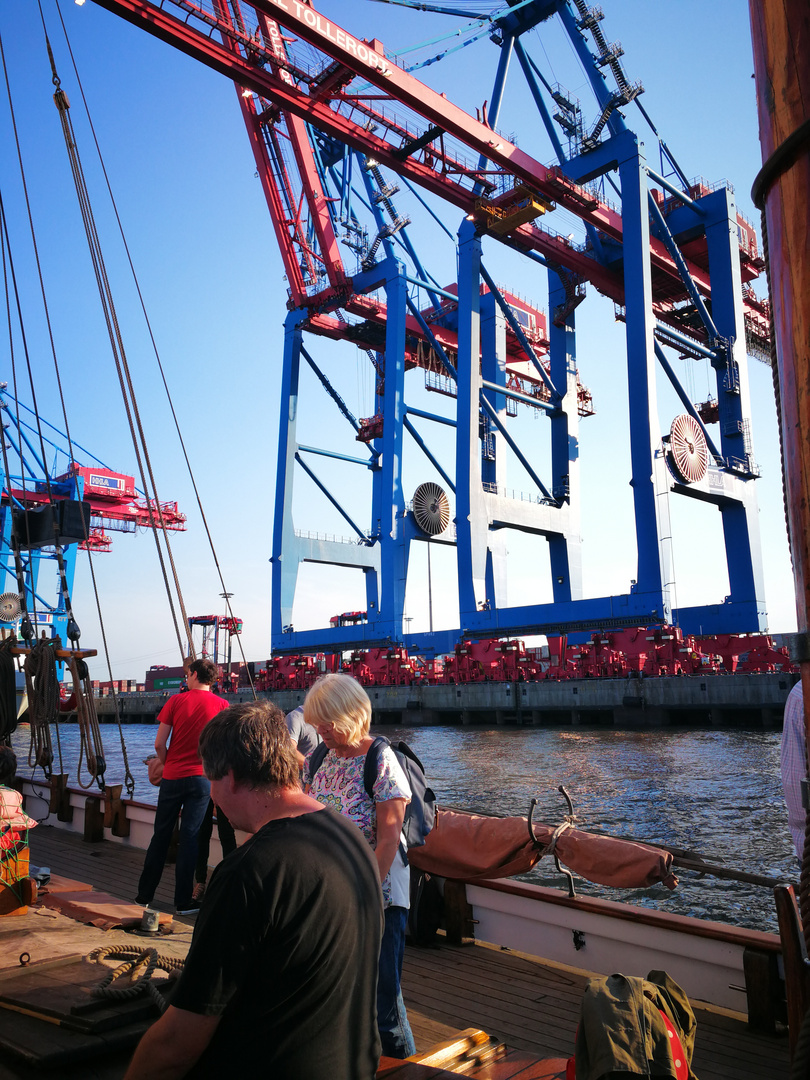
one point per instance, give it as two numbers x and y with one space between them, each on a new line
350 146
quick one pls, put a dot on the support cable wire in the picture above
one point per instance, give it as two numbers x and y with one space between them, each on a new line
43 708
160 368
41 754
26 626
73 631
153 505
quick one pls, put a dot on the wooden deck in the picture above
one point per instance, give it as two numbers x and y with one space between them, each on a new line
529 1004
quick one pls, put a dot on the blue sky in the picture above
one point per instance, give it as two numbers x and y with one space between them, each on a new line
180 165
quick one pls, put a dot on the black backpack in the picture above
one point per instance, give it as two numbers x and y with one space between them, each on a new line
420 813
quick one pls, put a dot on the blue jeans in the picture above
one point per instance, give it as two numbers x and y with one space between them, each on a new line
189 794
392 1020
227 840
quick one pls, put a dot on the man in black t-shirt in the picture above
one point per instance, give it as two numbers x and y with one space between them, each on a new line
281 975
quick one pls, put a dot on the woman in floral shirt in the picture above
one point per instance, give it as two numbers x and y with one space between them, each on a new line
339 708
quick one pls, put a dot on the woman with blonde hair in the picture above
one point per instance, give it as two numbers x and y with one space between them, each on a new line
339 709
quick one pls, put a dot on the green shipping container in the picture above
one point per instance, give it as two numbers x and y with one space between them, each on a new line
167 684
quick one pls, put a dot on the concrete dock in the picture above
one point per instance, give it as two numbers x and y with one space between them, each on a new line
692 700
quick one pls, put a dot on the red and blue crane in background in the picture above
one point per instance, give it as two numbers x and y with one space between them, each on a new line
51 507
349 148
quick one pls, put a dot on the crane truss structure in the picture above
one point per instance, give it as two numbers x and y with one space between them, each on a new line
335 122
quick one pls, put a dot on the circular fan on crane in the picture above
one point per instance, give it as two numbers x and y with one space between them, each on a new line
10 607
688 453
431 509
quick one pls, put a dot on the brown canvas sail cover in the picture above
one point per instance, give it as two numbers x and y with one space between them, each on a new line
472 847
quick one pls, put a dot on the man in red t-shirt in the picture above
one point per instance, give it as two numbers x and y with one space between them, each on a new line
183 787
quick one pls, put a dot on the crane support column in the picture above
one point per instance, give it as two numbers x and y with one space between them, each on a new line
284 557
564 547
649 472
471 518
492 447
744 609
388 498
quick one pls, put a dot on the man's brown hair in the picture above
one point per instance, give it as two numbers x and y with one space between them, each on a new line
252 740
205 670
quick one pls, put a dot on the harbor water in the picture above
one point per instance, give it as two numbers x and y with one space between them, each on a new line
713 792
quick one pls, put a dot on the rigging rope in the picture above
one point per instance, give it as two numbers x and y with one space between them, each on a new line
139 965
169 398
42 686
90 748
8 688
73 631
153 504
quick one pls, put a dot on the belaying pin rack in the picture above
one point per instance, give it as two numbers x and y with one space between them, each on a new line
60 654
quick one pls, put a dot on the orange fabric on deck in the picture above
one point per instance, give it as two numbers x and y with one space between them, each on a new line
98 909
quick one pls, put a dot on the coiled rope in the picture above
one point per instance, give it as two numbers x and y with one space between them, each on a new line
139 965
8 687
91 750
42 686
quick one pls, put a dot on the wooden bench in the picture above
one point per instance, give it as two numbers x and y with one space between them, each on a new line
472 1053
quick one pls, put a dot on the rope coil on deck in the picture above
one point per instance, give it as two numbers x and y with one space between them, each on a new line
139 965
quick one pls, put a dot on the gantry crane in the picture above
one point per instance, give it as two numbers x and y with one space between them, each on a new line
333 120
56 501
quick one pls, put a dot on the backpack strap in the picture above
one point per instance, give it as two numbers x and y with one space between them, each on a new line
372 760
370 775
316 759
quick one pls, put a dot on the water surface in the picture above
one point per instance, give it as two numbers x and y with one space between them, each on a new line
714 792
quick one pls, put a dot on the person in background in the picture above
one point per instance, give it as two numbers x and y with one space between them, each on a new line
794 764
339 709
183 787
225 832
227 841
14 822
304 735
281 974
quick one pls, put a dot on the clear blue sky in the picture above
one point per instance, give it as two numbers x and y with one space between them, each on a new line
183 175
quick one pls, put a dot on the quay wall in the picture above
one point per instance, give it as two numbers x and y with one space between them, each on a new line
691 700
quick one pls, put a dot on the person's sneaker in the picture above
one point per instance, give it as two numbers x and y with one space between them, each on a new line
192 908
141 902
198 892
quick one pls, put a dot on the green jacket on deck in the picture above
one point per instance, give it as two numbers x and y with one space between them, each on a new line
621 1030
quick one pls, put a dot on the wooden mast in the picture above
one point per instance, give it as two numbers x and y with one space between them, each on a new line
781 39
